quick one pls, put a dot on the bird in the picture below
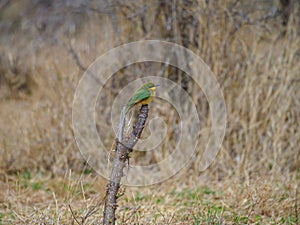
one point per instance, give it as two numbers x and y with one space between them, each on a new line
144 95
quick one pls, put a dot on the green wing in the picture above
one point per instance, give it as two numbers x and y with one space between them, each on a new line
138 96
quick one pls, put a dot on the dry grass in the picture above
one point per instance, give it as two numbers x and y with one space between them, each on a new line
254 180
42 199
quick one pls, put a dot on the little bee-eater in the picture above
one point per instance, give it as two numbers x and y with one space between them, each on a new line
142 96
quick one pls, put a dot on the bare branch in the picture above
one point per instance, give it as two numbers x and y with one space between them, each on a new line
123 149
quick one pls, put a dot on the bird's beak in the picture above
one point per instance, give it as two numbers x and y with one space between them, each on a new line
156 85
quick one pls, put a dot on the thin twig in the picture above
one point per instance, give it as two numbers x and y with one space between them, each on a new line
92 210
73 215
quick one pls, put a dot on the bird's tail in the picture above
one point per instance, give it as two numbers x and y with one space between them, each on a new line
127 108
121 123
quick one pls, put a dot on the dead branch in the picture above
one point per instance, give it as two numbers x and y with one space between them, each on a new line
123 147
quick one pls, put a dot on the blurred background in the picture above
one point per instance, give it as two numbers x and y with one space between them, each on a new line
253 48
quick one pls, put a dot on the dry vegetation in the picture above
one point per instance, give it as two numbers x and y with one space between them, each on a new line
251 46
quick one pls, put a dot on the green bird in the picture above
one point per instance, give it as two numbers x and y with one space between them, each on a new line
142 96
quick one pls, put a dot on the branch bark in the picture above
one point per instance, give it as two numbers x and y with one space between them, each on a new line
123 148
